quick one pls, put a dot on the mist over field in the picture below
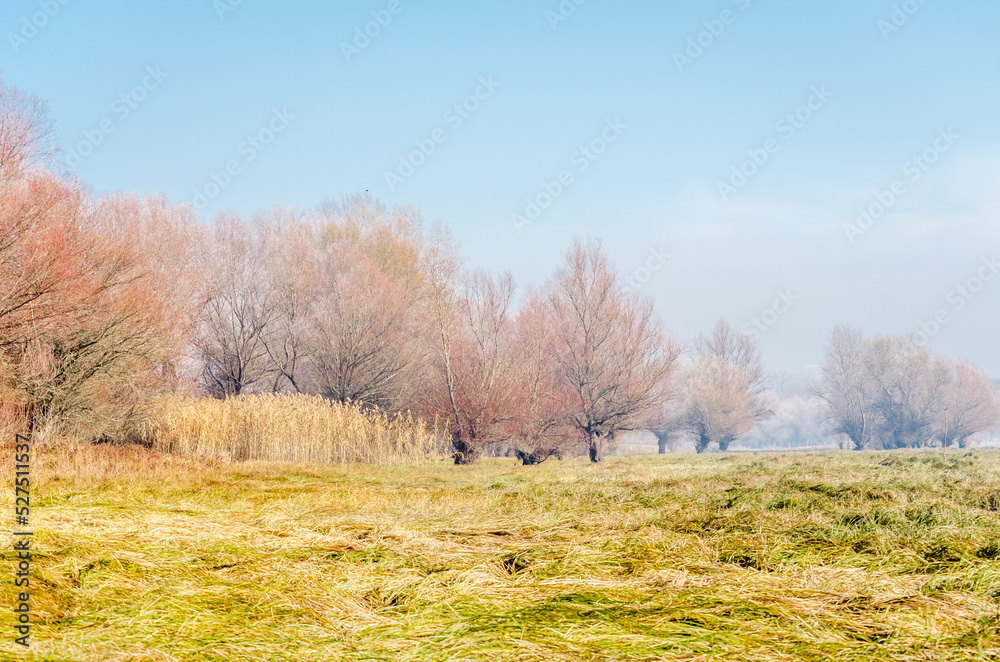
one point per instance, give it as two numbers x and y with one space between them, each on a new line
556 330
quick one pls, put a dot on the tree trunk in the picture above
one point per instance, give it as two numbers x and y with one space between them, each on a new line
465 452
532 458
702 444
596 447
724 444
661 441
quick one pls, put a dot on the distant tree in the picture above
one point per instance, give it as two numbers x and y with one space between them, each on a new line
668 424
848 389
474 386
238 309
392 238
394 245
668 427
469 321
717 409
726 389
910 383
487 394
293 268
970 405
442 329
358 343
798 422
741 351
891 392
539 425
613 352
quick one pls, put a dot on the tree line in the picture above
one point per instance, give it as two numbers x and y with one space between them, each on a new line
891 392
108 302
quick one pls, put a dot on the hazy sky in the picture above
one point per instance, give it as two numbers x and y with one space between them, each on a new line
620 120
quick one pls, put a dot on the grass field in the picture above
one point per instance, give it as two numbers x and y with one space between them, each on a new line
832 556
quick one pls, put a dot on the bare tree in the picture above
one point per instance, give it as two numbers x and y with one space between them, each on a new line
392 238
613 352
294 268
668 426
40 241
717 406
93 298
539 423
726 390
393 241
40 229
970 405
25 133
474 389
236 313
444 330
890 392
848 388
910 383
358 344
741 351
125 319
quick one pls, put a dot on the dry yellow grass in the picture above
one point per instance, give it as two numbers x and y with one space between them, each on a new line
290 428
825 556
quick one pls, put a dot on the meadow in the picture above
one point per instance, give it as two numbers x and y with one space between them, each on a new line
834 556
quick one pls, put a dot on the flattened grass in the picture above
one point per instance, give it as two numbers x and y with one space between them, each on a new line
754 557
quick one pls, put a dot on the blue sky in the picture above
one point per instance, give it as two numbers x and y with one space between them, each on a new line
887 81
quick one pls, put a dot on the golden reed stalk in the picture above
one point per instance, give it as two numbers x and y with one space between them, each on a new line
290 428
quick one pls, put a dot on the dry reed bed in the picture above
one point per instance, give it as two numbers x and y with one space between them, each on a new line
290 428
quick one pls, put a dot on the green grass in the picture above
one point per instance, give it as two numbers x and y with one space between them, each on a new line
832 556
